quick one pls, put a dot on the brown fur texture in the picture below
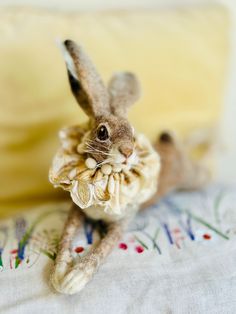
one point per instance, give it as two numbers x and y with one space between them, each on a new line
104 106
178 171
120 136
124 90
109 109
73 277
87 87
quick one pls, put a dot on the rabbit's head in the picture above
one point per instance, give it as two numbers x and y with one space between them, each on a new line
110 137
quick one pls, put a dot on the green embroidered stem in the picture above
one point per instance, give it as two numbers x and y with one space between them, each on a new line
206 224
52 256
217 203
25 239
141 242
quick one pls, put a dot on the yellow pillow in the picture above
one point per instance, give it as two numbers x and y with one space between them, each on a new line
179 56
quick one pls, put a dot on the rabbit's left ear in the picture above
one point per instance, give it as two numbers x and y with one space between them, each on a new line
86 84
124 90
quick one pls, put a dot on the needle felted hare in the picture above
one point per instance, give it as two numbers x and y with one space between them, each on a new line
110 171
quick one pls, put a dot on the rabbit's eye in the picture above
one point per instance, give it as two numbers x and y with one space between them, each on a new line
102 133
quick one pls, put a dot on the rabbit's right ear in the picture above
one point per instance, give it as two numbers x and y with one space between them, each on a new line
124 89
85 82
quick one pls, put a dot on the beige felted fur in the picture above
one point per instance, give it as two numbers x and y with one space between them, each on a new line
110 171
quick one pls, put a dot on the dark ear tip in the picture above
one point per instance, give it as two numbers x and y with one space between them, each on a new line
68 42
165 137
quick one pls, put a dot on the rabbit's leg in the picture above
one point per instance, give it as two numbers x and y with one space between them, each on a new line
64 259
179 171
82 272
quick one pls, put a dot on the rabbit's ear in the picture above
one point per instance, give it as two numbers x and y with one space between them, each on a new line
85 82
124 90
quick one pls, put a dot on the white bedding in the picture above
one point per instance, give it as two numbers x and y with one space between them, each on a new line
190 266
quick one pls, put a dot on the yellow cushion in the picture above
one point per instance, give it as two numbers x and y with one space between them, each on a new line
179 56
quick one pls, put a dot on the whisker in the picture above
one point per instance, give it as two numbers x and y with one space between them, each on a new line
93 143
91 152
103 145
97 150
93 148
90 145
103 162
94 153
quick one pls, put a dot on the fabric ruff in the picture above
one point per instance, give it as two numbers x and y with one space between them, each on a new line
98 192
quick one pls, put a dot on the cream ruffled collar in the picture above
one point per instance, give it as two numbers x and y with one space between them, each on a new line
107 189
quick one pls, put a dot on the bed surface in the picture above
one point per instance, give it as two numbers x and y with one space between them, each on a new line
177 257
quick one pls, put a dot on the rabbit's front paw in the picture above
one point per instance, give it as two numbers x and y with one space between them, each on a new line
74 281
61 267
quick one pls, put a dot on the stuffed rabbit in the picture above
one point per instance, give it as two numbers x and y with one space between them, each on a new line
110 171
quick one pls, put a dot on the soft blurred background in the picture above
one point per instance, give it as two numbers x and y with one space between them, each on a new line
184 53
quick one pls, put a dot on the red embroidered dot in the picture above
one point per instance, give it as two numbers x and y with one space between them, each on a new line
14 251
79 249
176 230
206 236
123 246
139 249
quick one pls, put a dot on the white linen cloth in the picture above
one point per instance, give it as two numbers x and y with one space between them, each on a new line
190 266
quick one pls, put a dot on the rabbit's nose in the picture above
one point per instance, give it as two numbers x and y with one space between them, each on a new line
126 150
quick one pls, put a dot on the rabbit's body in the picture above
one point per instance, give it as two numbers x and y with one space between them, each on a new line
109 170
